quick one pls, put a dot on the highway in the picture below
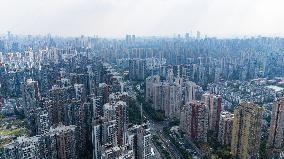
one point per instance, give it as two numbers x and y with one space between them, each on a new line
192 145
172 155
157 129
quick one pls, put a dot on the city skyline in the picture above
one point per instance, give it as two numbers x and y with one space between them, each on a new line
141 98
115 19
141 79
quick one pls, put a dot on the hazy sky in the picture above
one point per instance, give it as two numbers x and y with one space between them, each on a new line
115 18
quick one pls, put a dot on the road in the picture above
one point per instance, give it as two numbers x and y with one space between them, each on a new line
157 129
156 151
171 147
192 145
163 143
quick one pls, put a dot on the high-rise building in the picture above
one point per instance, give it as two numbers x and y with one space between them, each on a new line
65 141
171 99
225 128
97 139
42 121
155 92
109 132
31 95
48 145
133 38
157 96
198 35
214 103
121 122
276 131
190 91
97 106
170 75
246 131
149 86
58 143
58 97
105 144
103 91
128 39
23 147
80 93
137 69
194 120
142 139
186 36
118 111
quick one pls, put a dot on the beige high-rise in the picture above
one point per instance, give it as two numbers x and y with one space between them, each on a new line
275 140
246 131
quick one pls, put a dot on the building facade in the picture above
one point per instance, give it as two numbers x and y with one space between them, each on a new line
194 120
225 128
246 131
276 131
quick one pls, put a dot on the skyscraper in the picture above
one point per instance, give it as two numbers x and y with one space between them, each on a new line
276 130
121 121
80 93
157 96
103 91
190 91
137 69
57 143
143 142
42 121
214 103
194 120
31 94
118 111
154 91
172 99
246 131
225 128
65 141
58 98
97 139
23 147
